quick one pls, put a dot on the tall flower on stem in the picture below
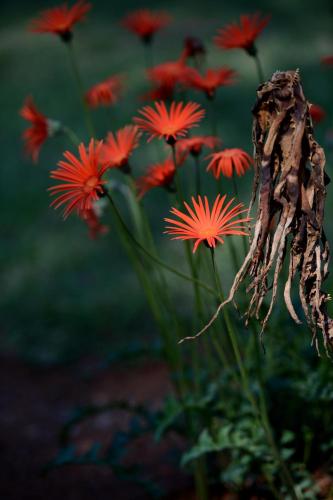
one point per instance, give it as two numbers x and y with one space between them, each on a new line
207 225
243 36
158 175
145 23
169 124
81 177
41 128
118 147
211 80
104 93
61 19
170 74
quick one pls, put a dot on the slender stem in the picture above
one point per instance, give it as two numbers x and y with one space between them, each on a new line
149 58
260 71
197 175
71 135
80 87
148 254
213 120
234 183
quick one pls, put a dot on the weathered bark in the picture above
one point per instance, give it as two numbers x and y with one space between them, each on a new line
290 177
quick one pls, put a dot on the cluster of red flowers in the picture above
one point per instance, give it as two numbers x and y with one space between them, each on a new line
82 177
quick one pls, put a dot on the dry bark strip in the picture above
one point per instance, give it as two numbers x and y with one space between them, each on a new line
291 179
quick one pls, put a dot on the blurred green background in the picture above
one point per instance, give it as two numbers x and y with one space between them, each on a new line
63 295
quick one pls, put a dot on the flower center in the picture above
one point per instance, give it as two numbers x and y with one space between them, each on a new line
90 184
207 232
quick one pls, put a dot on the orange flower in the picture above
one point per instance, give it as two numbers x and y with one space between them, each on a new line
118 147
37 134
82 179
194 145
169 74
146 23
211 80
95 227
169 124
207 225
327 60
158 175
104 93
60 20
242 35
229 160
317 113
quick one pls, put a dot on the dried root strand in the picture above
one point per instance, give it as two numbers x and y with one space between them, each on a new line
290 177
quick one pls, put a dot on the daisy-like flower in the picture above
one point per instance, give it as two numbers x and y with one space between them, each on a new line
95 227
118 147
317 113
211 80
145 23
169 124
194 145
41 128
60 20
327 60
242 35
228 161
170 73
104 93
207 225
81 177
158 175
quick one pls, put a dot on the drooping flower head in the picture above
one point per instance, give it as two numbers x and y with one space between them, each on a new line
327 60
118 147
81 177
145 23
95 227
317 113
105 93
158 175
41 128
172 123
194 47
228 161
60 20
205 225
242 35
194 145
211 80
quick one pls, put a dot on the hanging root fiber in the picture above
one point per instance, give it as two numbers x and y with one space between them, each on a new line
290 176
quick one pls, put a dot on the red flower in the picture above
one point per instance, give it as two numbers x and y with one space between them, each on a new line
37 134
95 227
145 23
118 147
194 145
169 74
158 175
207 225
242 35
158 93
317 113
229 160
327 60
169 124
211 80
60 20
104 93
82 179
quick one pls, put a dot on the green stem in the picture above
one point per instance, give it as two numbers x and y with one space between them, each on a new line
149 59
260 71
234 183
79 84
73 138
148 254
197 175
213 120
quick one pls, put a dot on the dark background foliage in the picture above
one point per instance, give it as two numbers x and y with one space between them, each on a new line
63 295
